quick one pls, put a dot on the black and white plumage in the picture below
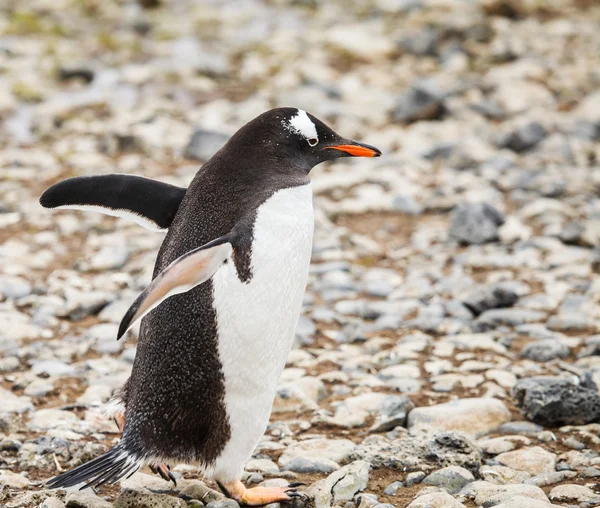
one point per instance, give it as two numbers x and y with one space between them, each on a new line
150 203
209 358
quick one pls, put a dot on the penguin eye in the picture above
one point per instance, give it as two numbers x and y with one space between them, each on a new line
313 141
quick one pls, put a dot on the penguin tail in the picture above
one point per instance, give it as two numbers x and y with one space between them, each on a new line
108 468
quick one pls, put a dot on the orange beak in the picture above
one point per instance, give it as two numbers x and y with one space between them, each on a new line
357 150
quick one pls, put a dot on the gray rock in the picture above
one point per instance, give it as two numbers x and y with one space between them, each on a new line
507 317
421 102
553 402
475 416
435 500
525 428
12 403
12 286
135 499
223 503
421 450
491 297
52 502
524 137
86 500
414 478
571 233
451 478
341 485
304 465
577 493
406 204
475 223
393 488
545 350
204 144
317 450
52 368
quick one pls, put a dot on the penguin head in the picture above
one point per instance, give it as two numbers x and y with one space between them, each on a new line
298 140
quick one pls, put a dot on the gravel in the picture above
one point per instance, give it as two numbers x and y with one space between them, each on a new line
454 281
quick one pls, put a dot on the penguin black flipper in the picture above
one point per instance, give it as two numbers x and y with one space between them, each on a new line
183 274
150 203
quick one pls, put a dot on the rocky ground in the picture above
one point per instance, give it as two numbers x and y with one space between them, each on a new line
449 349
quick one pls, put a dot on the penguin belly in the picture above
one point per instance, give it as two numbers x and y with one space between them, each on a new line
256 320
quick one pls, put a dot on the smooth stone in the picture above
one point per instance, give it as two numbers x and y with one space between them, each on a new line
524 502
12 403
262 466
86 500
491 297
577 493
52 502
508 317
535 460
414 478
46 419
524 137
487 494
476 416
317 465
203 144
451 478
393 488
475 223
550 478
436 500
315 450
12 480
545 350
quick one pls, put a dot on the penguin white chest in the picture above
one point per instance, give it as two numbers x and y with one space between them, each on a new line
256 321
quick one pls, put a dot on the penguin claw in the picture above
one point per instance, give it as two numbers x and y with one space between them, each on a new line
165 472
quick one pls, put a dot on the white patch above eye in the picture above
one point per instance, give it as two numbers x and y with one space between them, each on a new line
303 125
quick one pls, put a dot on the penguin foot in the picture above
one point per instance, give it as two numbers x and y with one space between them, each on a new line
164 471
258 496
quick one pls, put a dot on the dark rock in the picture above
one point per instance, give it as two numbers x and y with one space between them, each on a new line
421 102
204 144
475 223
552 401
492 297
523 138
66 74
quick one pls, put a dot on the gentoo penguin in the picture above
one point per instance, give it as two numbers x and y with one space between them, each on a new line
220 313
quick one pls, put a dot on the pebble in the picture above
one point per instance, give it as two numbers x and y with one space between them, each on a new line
545 350
317 450
436 500
571 492
451 478
461 265
475 223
